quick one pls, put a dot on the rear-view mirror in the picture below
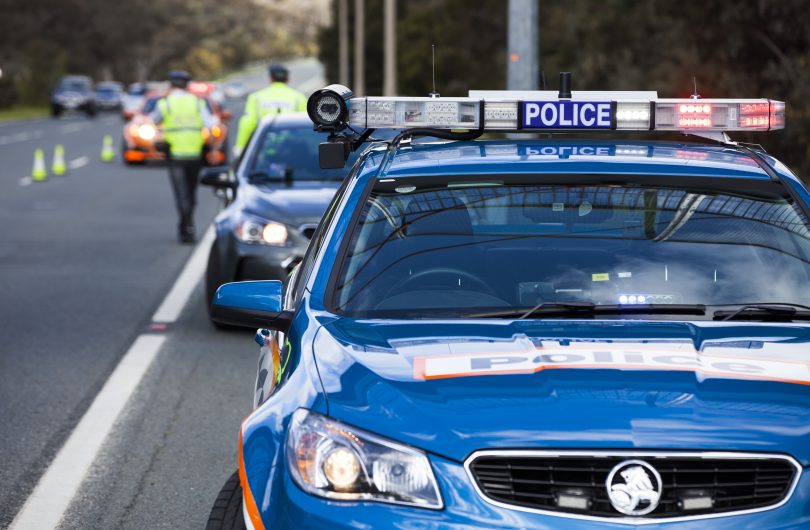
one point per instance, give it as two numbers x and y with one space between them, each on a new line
256 304
218 177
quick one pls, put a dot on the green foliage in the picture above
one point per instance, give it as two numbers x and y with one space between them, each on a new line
137 40
758 48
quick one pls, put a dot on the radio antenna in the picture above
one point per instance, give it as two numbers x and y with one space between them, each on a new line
695 94
434 94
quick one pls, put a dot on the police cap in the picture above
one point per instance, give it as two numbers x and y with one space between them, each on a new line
279 72
179 78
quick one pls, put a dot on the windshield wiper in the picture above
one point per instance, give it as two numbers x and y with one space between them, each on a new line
585 309
769 311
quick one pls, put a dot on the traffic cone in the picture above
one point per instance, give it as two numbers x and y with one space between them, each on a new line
59 167
107 153
40 172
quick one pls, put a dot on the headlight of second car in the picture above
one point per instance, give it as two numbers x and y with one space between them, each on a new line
147 131
254 230
329 459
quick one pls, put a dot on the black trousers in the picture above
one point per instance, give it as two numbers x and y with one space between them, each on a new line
183 175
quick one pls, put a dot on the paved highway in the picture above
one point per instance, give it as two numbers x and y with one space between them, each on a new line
88 262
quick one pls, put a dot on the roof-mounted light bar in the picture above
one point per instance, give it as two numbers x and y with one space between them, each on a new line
582 112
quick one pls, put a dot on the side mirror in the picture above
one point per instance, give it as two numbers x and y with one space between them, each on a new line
218 177
333 155
251 304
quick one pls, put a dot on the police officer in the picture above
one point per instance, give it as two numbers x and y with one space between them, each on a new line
276 98
183 116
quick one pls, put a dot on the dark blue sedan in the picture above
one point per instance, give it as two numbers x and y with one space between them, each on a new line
279 194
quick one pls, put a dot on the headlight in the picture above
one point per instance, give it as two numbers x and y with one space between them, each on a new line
329 459
258 231
147 132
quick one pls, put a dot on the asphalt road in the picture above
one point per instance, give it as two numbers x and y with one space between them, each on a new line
85 260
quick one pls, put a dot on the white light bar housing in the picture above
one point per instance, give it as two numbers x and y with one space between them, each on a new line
518 112
405 113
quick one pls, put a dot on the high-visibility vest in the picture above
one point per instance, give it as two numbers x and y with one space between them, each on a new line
275 99
183 124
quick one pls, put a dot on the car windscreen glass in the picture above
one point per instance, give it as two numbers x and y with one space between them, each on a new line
149 105
292 151
453 246
73 85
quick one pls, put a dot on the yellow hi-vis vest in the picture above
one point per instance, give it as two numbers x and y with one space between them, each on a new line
275 99
182 125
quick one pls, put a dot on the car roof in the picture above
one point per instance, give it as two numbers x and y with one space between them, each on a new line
483 157
286 119
74 78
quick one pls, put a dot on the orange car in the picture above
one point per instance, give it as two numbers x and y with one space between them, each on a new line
141 134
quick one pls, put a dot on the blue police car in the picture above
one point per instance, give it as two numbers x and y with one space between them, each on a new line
535 333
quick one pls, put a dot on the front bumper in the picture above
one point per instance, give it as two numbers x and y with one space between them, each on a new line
292 508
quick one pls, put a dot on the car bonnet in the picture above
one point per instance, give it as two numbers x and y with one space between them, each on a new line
454 387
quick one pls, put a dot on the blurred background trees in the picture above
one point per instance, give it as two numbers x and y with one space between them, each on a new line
137 40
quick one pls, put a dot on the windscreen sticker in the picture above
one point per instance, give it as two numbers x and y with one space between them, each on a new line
611 356
601 277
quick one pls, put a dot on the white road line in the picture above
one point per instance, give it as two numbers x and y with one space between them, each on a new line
73 127
176 300
56 489
26 181
78 162
46 505
20 137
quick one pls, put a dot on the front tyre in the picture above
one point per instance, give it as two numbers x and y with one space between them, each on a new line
227 511
214 277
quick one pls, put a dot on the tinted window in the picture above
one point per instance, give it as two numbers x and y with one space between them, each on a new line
74 85
149 105
428 246
306 265
293 149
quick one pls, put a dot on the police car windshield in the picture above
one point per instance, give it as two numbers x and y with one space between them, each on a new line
292 150
452 247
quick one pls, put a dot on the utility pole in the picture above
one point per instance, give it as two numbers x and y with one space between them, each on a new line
343 41
390 48
522 60
359 87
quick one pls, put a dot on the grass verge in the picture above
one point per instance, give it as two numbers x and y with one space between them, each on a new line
22 113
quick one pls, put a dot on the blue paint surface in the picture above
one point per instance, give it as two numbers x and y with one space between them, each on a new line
550 384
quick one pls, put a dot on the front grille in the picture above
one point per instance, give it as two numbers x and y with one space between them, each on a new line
723 484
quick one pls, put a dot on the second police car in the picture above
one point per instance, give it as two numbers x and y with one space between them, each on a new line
535 333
